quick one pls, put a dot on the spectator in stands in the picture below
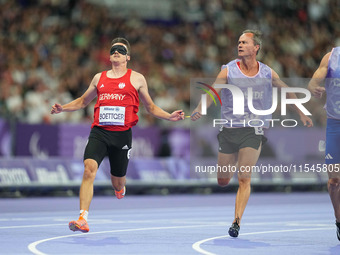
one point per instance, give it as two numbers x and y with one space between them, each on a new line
198 30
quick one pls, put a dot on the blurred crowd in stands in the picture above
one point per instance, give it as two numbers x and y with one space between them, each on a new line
50 50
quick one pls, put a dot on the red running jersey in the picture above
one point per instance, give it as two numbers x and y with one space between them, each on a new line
117 103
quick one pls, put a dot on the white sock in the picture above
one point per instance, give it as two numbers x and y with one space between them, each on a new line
84 214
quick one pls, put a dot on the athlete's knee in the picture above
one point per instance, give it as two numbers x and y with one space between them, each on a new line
244 182
223 181
90 169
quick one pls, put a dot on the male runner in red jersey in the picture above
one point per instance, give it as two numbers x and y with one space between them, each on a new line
118 91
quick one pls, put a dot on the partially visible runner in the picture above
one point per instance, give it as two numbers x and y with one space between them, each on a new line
328 74
238 145
118 91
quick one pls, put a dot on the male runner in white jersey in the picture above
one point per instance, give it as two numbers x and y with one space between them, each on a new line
239 145
115 112
329 73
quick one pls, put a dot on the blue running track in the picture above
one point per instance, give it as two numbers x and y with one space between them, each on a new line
273 223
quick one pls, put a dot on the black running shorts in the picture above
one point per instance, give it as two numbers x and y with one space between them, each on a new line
231 140
114 144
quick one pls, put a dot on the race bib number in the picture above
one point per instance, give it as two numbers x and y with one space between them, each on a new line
112 115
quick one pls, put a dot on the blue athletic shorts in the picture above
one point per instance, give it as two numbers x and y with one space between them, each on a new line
332 155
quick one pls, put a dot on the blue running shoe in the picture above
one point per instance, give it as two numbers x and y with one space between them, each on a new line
234 229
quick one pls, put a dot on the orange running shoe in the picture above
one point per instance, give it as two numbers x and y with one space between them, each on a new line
120 194
79 225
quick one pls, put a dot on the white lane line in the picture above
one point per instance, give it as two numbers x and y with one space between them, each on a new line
177 221
33 226
98 222
196 246
33 246
218 223
66 224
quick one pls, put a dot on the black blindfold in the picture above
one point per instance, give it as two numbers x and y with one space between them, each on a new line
119 48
